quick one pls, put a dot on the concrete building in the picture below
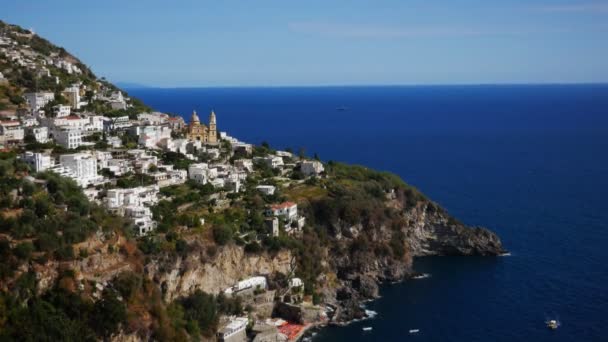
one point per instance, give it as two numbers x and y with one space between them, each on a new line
199 173
83 166
62 111
29 121
311 167
94 123
234 331
114 141
249 283
244 164
40 133
134 203
150 136
266 189
67 137
117 123
38 162
38 100
11 131
271 161
287 210
72 94
153 119
176 123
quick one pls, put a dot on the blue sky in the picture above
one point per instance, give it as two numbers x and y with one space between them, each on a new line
328 42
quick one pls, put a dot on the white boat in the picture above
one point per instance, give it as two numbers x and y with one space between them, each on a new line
552 324
414 331
367 328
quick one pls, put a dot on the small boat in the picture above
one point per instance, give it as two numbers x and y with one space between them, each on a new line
341 108
552 324
414 331
367 328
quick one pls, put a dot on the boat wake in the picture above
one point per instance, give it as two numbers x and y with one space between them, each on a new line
421 276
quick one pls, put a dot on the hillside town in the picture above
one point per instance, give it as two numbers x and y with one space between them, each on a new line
122 223
129 160
157 151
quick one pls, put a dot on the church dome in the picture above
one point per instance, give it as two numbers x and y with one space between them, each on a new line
194 117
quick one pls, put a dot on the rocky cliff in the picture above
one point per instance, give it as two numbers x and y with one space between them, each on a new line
179 277
428 230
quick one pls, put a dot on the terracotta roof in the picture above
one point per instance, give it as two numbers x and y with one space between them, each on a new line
10 122
283 205
73 117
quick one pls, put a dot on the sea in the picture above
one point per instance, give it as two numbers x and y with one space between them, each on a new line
529 162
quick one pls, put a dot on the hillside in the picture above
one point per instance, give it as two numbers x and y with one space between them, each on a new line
30 63
279 236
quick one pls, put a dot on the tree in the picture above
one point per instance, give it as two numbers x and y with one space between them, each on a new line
222 234
24 250
107 314
202 308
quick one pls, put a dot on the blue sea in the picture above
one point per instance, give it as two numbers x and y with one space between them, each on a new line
529 162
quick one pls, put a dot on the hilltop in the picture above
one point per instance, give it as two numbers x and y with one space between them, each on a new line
30 63
142 228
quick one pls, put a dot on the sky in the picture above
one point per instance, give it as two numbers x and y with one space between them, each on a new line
327 42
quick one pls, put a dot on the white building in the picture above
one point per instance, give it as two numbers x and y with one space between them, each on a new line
38 162
150 136
287 210
249 283
11 131
153 119
117 123
83 166
72 94
114 141
284 154
95 123
139 196
72 121
198 173
38 100
234 331
295 282
62 111
119 167
29 121
103 158
40 133
134 203
69 138
311 167
266 189
271 161
244 164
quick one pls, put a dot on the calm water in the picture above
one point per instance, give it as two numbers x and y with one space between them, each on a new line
530 162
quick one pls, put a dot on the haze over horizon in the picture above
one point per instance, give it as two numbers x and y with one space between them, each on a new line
276 43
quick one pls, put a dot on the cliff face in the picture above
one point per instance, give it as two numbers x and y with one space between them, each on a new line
182 276
428 230
433 232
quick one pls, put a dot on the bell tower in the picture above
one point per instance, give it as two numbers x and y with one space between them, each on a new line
212 128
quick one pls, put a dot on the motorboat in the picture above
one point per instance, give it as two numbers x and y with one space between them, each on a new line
552 324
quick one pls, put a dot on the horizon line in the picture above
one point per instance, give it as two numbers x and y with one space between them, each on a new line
134 85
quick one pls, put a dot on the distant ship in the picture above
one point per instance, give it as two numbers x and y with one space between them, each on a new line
341 108
552 324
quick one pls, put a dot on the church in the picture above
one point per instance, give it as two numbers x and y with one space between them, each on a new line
200 132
